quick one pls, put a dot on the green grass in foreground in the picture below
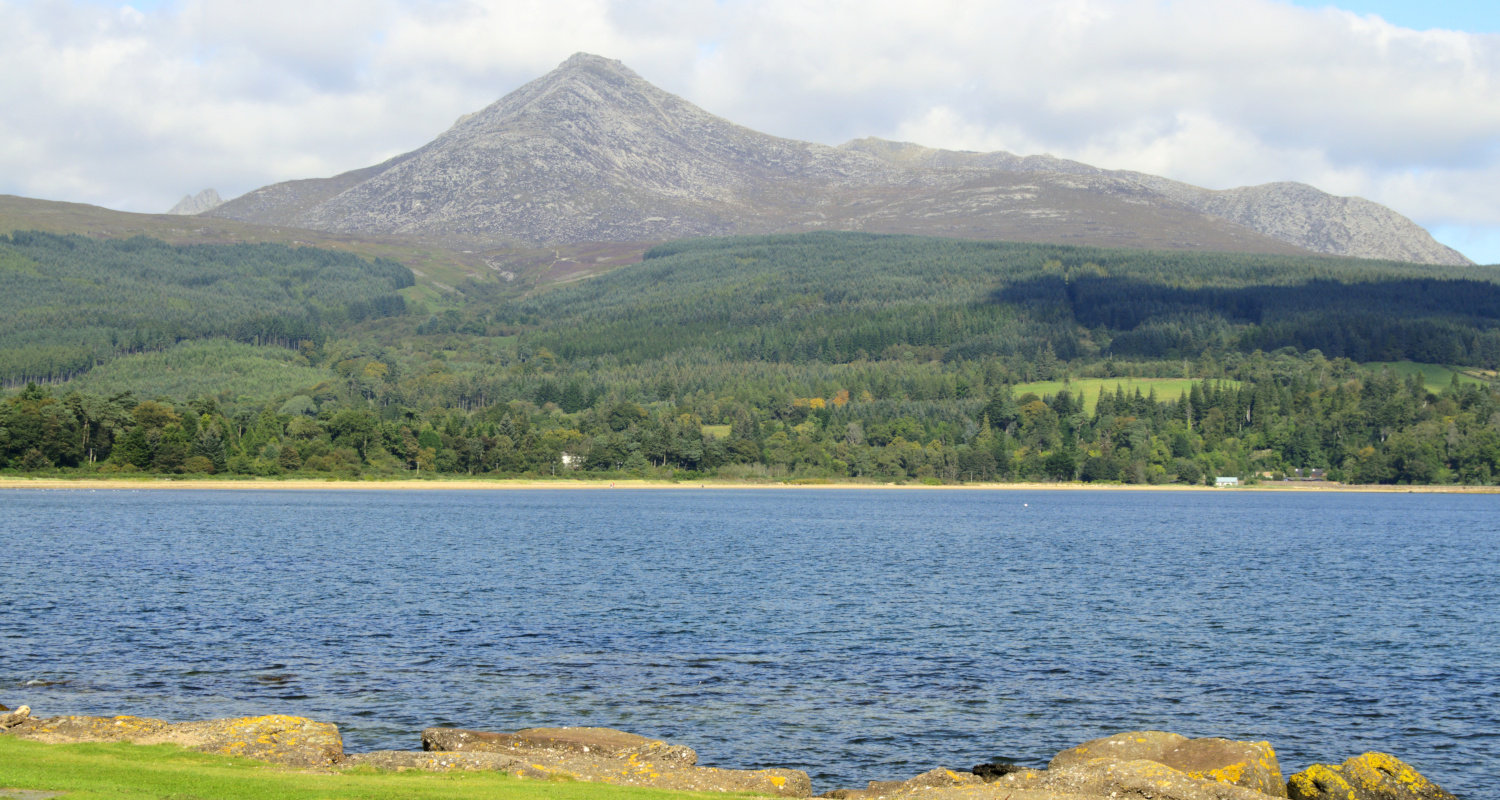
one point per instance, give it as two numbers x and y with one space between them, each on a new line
132 772
1166 388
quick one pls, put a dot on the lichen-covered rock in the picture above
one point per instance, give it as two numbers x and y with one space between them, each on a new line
1252 765
603 742
438 761
606 755
278 738
639 772
70 729
1110 777
295 741
1148 745
1372 776
939 778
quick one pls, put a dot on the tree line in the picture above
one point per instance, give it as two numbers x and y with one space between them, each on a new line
1280 415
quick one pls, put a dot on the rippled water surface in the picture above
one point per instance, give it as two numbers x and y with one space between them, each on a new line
856 634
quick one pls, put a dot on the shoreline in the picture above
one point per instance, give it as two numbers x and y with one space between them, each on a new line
511 484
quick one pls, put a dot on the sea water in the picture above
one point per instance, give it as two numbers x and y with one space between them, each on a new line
855 634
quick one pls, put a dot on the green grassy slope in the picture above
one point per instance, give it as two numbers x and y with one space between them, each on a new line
163 772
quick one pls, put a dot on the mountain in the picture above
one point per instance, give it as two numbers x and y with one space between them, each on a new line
206 200
591 152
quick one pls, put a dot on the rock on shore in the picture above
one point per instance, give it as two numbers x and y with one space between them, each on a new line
1372 776
10 719
605 742
1252 765
1163 766
610 756
1136 765
295 741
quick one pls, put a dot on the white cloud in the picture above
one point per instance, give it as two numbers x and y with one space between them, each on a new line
132 109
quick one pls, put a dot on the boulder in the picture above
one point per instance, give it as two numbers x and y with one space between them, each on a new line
1252 765
1372 776
773 782
1110 777
606 755
70 729
940 778
295 741
603 742
1149 745
440 761
10 719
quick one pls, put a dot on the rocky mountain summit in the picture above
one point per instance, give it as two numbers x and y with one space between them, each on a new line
206 200
591 152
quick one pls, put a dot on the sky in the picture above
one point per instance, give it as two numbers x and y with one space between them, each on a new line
133 105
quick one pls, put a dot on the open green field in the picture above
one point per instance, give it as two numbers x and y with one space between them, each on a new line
133 772
1165 388
717 431
1435 376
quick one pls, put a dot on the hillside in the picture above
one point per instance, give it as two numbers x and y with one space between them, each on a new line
71 303
848 297
817 356
438 265
591 152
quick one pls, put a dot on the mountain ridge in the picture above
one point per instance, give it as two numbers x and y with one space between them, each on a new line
593 152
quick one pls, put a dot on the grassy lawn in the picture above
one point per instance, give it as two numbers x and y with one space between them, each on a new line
717 431
1166 388
163 772
1436 377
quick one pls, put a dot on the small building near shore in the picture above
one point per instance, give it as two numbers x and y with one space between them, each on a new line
1226 480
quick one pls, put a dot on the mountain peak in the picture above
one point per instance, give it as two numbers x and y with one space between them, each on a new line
206 200
592 152
582 60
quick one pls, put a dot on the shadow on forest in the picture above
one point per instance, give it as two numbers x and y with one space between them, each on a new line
1427 320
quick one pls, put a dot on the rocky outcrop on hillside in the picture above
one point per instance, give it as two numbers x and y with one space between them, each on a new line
593 153
206 200
1304 216
1294 213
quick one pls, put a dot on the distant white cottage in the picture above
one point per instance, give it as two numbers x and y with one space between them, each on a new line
1226 480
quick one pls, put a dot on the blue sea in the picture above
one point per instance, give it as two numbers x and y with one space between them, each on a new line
854 634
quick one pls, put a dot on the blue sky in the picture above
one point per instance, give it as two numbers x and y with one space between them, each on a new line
1458 15
133 105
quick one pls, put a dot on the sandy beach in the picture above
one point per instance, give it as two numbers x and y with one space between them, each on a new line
503 484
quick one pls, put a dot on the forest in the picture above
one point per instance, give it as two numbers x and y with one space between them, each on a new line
820 357
72 302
